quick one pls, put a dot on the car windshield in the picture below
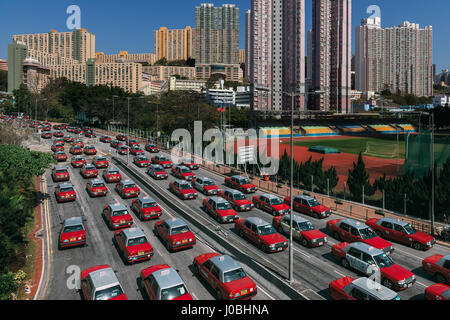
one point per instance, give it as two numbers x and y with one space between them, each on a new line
61 171
313 203
137 241
409 229
238 196
305 226
151 146
113 172
173 292
66 189
276 201
149 205
162 159
179 230
97 185
367 233
79 159
244 181
108 293
223 206
158 168
383 261
185 186
119 213
89 167
73 228
266 230
130 185
101 159
234 275
185 170
208 183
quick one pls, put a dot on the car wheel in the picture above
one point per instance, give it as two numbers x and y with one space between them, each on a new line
387 283
337 236
440 278
305 243
345 264
315 215
274 213
218 294
280 229
168 246
263 248
418 246
241 233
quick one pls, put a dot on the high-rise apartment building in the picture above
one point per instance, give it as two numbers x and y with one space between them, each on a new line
17 53
217 34
78 44
247 43
206 29
398 59
277 54
228 36
174 44
331 55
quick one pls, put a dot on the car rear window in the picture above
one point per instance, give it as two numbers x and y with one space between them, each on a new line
137 241
97 185
173 292
179 230
73 228
234 275
108 293
223 206
149 205
276 201
119 213
266 230
66 189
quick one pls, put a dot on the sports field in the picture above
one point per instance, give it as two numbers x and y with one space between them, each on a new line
375 147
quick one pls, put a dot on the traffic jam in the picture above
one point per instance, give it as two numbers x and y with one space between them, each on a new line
351 251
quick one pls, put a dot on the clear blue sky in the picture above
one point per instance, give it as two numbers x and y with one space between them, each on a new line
129 25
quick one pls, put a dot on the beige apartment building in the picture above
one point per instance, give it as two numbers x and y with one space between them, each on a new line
165 72
124 56
232 72
78 44
127 75
174 44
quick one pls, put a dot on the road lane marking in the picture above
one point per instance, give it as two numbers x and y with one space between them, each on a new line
343 275
409 254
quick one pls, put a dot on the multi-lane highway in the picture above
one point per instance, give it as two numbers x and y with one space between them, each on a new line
314 268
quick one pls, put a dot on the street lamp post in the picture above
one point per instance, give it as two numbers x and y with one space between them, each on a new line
292 94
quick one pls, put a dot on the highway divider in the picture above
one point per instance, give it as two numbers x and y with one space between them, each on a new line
266 269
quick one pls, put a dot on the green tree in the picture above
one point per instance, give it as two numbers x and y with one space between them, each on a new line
359 178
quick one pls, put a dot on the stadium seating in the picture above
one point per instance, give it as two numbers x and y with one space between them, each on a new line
315 131
407 128
351 129
383 128
281 132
